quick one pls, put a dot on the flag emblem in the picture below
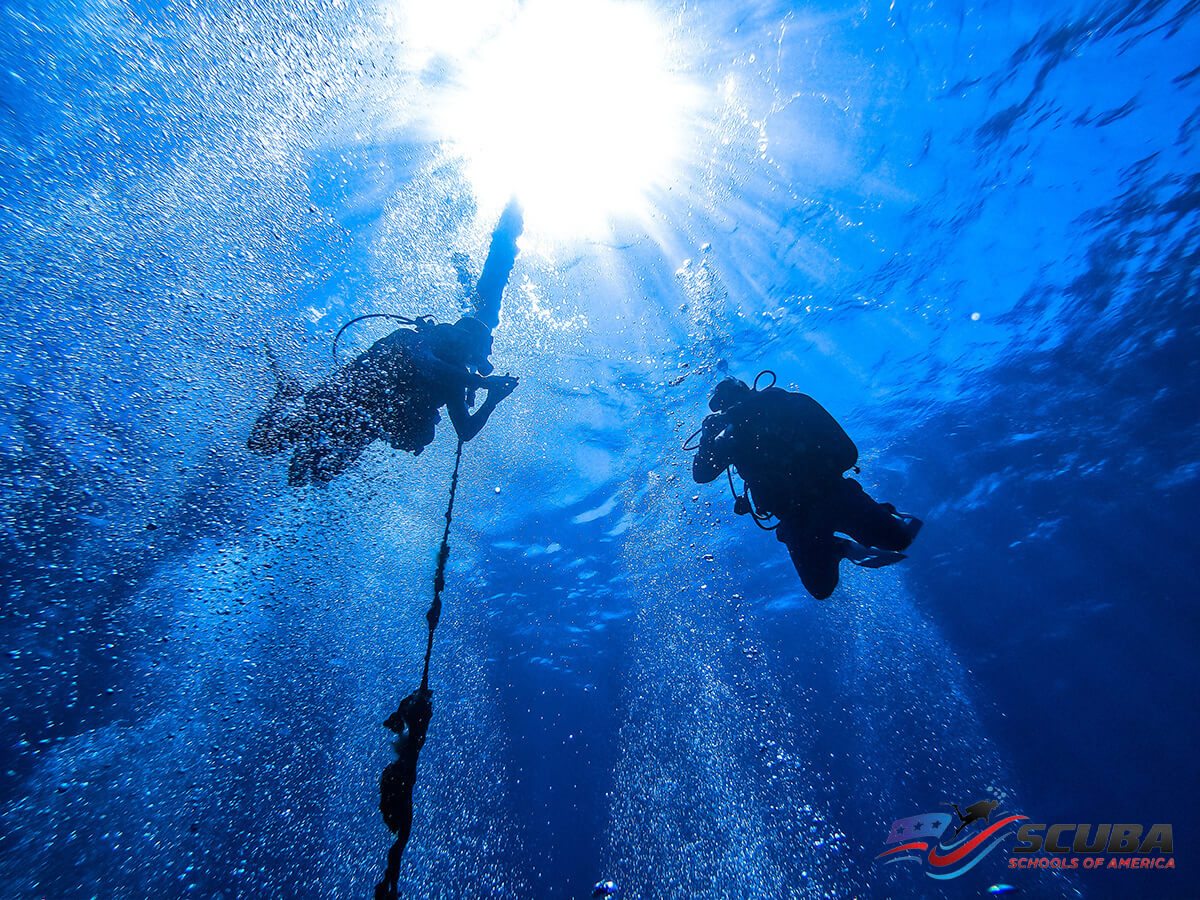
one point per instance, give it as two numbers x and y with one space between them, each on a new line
944 852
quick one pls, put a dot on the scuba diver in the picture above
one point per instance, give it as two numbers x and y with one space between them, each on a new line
792 455
409 722
394 390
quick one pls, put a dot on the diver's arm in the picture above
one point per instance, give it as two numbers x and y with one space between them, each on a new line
454 377
712 455
468 424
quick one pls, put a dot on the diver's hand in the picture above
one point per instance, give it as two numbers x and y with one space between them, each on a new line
499 387
716 433
715 427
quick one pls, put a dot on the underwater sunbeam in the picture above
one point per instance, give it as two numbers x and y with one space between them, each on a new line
573 108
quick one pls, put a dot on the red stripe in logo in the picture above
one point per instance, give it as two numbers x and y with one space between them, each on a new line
951 858
915 845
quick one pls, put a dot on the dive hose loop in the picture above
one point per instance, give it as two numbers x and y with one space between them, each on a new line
774 378
404 320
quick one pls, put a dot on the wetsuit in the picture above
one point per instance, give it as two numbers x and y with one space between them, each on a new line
791 454
392 392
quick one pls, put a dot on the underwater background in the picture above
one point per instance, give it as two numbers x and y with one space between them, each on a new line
969 231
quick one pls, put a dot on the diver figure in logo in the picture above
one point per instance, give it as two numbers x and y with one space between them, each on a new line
792 455
980 810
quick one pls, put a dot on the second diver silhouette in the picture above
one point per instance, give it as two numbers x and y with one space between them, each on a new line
791 454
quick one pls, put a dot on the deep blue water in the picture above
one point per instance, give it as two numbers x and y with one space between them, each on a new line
971 232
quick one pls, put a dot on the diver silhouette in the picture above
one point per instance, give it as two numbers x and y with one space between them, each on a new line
391 392
792 454
981 810
410 722
394 390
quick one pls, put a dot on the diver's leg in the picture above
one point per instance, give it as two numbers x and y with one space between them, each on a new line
870 523
300 467
815 554
336 434
279 423
320 463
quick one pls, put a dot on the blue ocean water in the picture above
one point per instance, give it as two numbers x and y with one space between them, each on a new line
970 231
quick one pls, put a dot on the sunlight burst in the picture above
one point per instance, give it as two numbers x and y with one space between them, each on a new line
572 107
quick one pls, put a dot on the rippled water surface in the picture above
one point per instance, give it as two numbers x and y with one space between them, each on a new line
971 232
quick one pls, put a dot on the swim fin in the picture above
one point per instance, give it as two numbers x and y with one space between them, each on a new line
911 524
868 557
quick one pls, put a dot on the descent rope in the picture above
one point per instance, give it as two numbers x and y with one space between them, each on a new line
439 579
410 723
